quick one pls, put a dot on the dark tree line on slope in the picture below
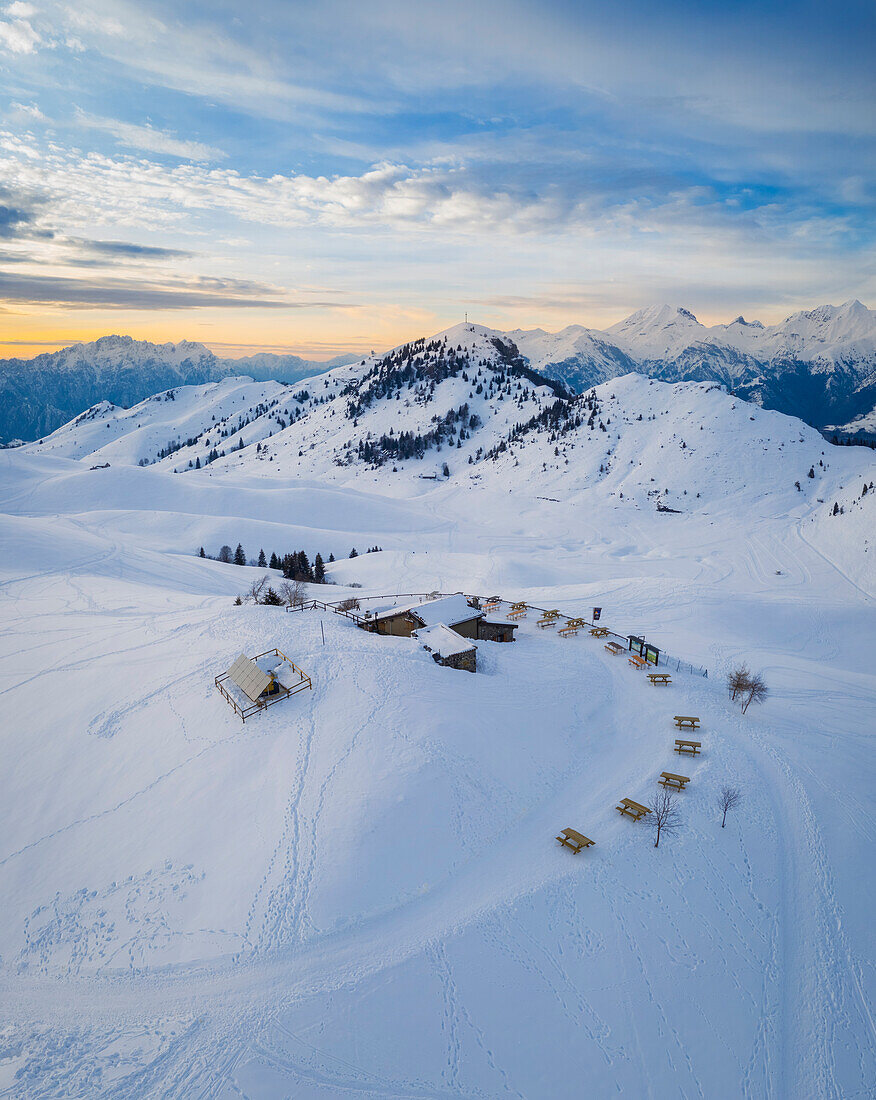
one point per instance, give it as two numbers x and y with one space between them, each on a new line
421 363
559 418
294 566
411 445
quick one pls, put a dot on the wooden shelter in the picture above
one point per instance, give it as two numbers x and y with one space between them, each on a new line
252 684
402 620
455 612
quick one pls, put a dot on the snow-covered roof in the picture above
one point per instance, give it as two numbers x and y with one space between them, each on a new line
442 640
449 610
499 622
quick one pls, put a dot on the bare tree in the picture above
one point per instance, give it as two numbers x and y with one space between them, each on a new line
349 604
665 814
226 554
737 680
256 588
755 691
293 593
728 797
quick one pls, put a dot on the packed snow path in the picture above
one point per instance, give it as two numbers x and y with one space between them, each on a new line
360 894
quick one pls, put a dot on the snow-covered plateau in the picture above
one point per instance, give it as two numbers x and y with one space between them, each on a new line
359 891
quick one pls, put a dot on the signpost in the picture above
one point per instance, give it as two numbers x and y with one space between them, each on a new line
597 611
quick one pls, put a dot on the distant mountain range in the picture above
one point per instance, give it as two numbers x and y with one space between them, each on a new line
819 365
464 409
38 395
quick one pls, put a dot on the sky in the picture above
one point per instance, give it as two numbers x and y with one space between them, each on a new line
341 176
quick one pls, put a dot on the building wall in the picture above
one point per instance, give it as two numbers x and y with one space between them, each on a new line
468 629
399 626
465 662
495 632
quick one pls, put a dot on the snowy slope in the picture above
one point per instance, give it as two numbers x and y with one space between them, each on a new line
359 892
394 425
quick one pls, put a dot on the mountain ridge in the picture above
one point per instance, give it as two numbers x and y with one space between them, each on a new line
819 364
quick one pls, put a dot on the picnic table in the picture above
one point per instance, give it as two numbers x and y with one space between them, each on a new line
686 722
659 677
598 631
571 628
571 838
637 662
548 619
615 648
689 748
632 809
518 610
676 782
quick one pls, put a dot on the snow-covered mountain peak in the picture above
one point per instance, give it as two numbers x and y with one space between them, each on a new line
114 347
657 331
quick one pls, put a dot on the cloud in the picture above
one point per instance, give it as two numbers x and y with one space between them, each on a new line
132 294
18 36
27 111
12 220
125 249
150 139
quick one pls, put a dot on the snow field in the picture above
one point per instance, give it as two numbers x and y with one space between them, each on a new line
359 892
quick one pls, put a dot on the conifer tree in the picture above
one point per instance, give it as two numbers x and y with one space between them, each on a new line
319 569
201 553
239 556
263 563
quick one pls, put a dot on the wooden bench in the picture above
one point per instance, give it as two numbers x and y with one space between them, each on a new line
635 810
638 662
493 603
676 782
571 838
518 610
659 677
615 648
684 722
545 623
516 615
689 748
598 631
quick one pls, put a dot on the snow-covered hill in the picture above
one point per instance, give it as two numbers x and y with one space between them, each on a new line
463 410
359 891
39 394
